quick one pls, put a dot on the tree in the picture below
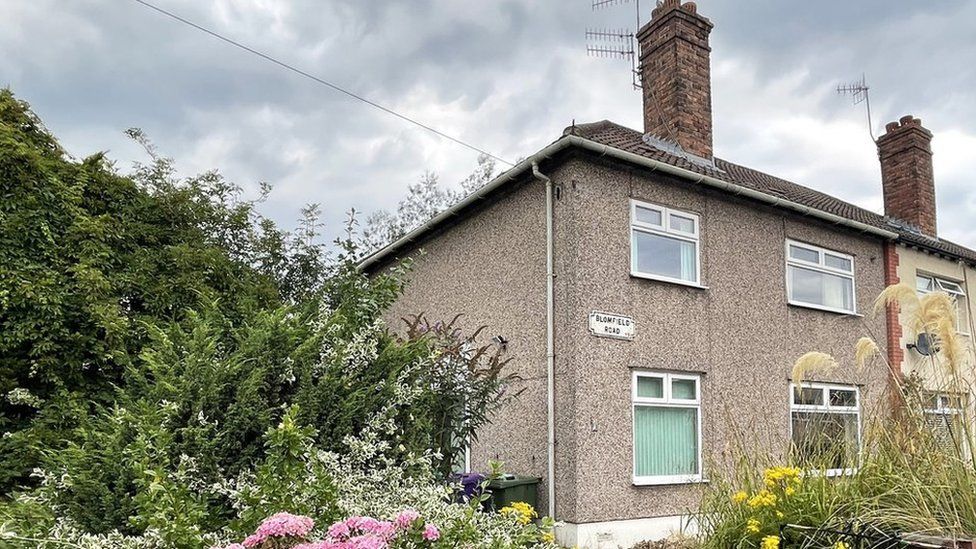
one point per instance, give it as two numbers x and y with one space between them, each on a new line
425 199
90 258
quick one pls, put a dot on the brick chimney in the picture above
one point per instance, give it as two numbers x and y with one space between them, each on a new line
906 173
675 73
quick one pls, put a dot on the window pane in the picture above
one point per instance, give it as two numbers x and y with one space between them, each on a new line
950 288
650 387
682 223
665 441
829 290
664 256
647 215
946 429
804 254
843 397
923 284
825 440
809 396
837 262
683 389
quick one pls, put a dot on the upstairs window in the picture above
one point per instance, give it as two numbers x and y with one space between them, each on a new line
926 284
664 244
819 278
826 426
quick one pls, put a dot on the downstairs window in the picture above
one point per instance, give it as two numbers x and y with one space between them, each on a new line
667 428
825 426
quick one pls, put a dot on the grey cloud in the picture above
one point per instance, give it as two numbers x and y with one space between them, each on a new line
507 75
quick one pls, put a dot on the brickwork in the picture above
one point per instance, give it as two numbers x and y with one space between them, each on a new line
676 76
894 330
906 173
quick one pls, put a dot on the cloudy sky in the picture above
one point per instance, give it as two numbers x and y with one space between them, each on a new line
507 76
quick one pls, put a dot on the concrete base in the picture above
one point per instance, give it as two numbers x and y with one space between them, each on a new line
622 534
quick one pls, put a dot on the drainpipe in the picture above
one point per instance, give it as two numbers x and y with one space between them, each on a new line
550 348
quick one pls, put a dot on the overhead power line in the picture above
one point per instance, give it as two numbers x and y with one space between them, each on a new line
314 78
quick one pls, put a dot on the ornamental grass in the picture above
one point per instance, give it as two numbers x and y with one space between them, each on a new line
915 472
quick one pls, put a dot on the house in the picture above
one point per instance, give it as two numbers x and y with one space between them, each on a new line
654 298
920 259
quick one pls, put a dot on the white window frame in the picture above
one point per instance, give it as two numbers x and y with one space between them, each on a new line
939 284
826 407
666 401
665 230
944 408
820 266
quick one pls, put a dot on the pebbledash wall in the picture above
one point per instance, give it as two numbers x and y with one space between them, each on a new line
738 332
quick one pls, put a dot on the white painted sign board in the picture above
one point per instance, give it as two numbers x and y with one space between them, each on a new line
611 325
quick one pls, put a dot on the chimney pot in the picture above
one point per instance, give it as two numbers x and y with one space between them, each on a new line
676 76
907 180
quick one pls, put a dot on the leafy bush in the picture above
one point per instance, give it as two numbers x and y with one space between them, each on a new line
174 368
365 480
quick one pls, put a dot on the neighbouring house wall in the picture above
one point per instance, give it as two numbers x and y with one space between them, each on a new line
912 262
739 332
491 267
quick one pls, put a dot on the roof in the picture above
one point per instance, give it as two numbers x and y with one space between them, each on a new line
626 139
626 144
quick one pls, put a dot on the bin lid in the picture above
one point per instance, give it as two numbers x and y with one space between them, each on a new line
508 481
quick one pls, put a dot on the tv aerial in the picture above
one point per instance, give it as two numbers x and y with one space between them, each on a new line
615 43
858 90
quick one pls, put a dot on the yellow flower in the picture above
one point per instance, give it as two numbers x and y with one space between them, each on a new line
789 490
781 476
739 497
763 498
779 514
549 537
770 542
752 526
523 512
840 545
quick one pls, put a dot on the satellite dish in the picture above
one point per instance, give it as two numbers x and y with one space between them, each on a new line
924 345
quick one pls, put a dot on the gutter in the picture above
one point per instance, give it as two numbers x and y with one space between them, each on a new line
604 150
550 349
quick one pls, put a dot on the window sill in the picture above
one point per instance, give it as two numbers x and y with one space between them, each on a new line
676 281
829 473
668 481
825 309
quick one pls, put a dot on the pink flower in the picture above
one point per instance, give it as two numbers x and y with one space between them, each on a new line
285 524
321 545
340 530
431 533
254 540
406 518
384 529
367 541
231 546
368 524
